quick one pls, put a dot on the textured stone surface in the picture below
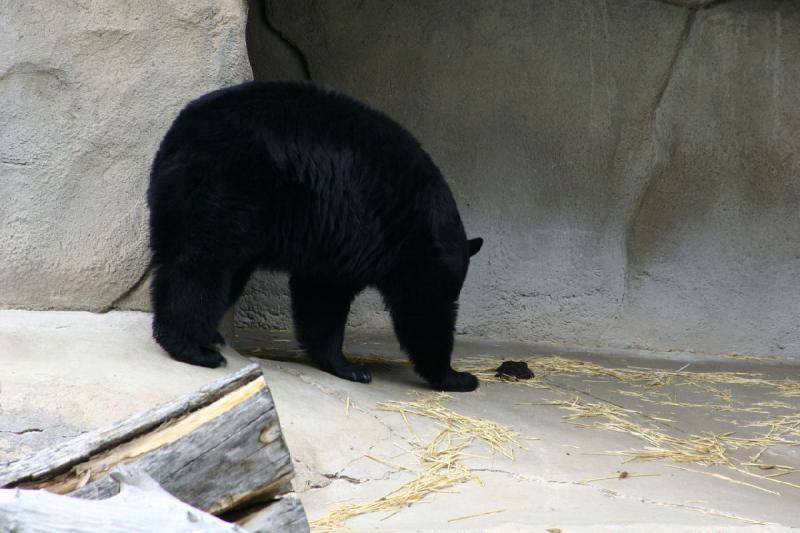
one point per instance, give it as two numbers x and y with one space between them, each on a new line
633 165
88 89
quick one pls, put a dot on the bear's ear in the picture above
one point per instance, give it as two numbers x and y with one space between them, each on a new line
475 246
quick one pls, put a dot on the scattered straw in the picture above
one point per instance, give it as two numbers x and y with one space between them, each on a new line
440 469
544 367
780 426
440 461
701 449
706 449
500 438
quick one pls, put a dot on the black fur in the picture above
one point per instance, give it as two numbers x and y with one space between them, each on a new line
291 177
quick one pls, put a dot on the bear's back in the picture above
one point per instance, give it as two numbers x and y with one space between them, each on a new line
299 122
329 173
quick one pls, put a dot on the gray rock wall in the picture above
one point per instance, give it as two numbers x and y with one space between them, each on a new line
87 90
632 164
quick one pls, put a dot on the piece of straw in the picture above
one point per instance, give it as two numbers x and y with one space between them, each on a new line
465 517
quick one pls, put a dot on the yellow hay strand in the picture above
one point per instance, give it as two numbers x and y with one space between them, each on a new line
618 475
708 449
500 438
725 478
731 516
465 517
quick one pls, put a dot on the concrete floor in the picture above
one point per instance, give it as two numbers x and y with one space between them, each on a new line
67 372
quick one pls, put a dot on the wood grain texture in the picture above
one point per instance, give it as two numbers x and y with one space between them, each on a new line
49 462
285 515
141 506
236 455
217 450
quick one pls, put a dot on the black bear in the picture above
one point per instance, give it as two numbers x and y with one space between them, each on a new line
292 177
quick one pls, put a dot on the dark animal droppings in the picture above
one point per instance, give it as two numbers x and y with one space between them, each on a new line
514 369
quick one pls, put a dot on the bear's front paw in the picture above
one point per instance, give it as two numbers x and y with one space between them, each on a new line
202 357
352 372
457 382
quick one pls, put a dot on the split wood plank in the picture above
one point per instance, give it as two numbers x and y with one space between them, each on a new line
51 461
141 506
217 449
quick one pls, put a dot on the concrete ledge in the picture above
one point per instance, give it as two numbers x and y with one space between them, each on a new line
66 372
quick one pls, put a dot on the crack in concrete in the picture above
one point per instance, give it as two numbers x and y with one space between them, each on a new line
657 133
621 495
350 479
15 162
23 431
339 396
681 45
330 477
526 477
344 477
291 45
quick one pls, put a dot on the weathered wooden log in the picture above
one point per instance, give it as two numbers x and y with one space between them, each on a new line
140 506
286 513
216 449
57 459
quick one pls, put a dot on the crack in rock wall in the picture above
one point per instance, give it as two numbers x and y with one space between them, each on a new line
632 164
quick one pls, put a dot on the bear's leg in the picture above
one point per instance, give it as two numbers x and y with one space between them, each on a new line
320 313
188 303
425 331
